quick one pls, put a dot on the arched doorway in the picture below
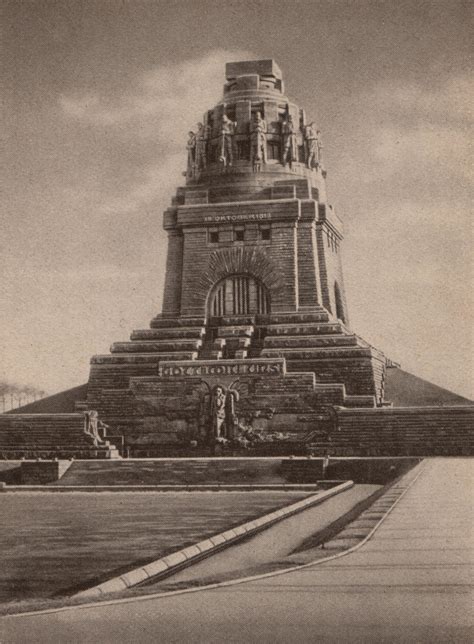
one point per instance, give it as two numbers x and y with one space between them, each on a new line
238 295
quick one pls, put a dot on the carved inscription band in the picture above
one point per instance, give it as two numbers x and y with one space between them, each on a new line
201 368
249 217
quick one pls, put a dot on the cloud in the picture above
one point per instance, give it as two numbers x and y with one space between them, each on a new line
424 125
415 145
448 102
158 180
162 105
164 101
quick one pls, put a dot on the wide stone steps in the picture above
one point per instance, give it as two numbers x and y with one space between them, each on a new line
49 436
307 328
156 346
114 402
236 331
170 333
169 323
142 358
332 393
316 316
320 353
297 341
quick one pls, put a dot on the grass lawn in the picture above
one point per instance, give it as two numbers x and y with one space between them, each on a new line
54 544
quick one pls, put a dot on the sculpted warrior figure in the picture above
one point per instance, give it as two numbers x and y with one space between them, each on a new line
258 141
288 131
311 140
226 141
223 419
191 147
201 146
320 146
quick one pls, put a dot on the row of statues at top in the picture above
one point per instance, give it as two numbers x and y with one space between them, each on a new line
197 144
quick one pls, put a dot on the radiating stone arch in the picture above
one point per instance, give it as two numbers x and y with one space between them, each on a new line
239 261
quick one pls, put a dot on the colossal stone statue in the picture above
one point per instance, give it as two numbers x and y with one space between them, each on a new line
201 147
311 145
258 141
320 146
226 141
191 147
288 131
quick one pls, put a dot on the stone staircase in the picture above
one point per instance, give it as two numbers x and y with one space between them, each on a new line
49 436
348 371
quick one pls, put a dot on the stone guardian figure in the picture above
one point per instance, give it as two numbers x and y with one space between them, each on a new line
201 147
320 147
226 141
311 145
258 142
288 132
191 148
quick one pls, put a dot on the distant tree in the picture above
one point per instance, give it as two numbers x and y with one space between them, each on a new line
14 395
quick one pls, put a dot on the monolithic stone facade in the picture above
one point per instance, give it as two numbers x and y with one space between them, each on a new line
254 300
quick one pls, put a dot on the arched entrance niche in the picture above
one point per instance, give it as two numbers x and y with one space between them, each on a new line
238 295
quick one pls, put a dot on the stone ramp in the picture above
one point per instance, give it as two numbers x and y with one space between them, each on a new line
271 545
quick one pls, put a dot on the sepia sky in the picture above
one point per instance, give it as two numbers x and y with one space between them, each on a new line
98 98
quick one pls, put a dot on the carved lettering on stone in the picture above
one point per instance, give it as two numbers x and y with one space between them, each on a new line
201 368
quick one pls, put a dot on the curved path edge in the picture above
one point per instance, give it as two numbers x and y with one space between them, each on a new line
166 566
417 470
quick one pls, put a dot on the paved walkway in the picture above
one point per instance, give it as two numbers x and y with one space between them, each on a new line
409 583
274 544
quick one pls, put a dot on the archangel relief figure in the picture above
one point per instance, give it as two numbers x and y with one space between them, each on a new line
290 147
258 141
226 141
223 418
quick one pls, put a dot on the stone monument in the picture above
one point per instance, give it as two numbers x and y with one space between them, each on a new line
253 340
253 349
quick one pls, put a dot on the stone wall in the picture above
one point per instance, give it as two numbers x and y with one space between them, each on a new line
409 431
42 472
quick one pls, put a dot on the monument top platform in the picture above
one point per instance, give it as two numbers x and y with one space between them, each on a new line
266 67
